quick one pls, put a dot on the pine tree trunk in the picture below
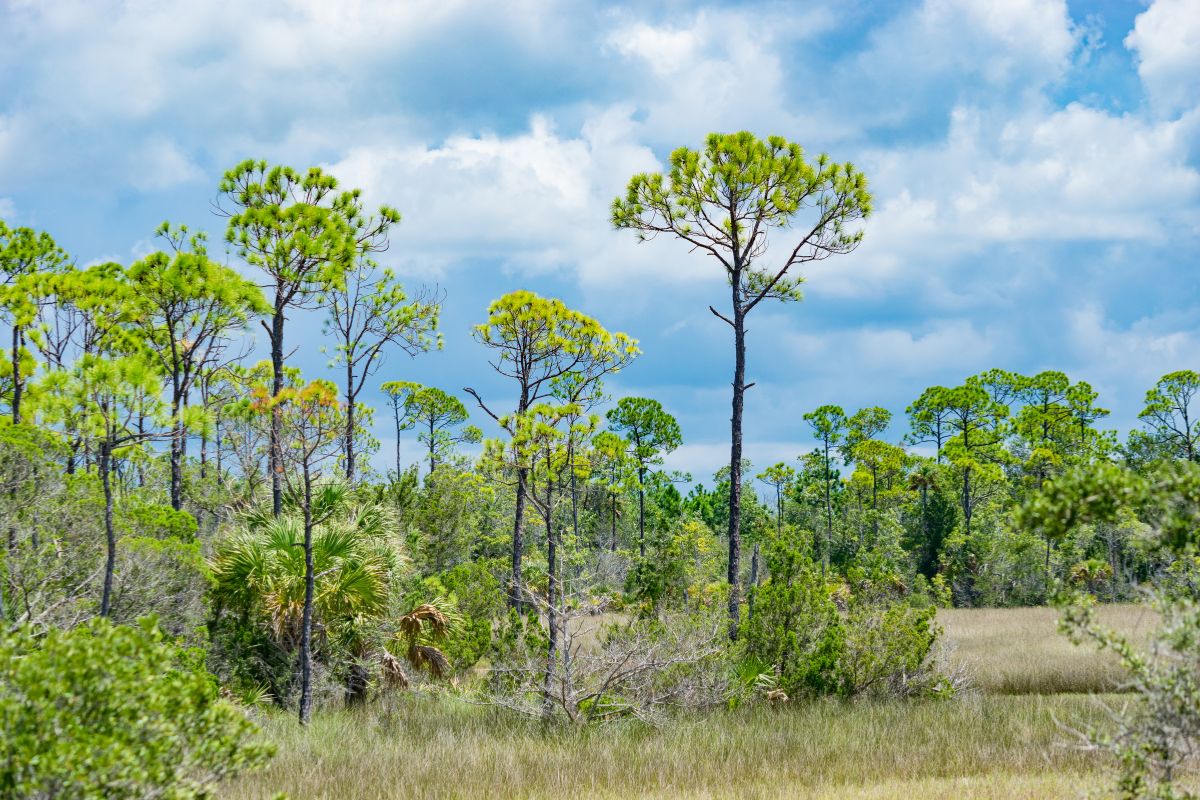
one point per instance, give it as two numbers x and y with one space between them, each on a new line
553 592
735 466
275 461
349 448
642 511
306 623
516 594
110 536
176 447
18 384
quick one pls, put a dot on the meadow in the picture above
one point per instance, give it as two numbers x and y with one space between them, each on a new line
1011 734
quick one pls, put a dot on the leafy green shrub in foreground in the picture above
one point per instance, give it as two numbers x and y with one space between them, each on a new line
114 711
826 640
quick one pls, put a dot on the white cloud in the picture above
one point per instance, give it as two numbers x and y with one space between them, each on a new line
8 209
1166 39
720 70
538 200
159 164
1044 175
1013 46
1123 361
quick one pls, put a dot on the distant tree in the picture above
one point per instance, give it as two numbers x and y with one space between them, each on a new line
977 424
1169 414
304 235
104 400
537 343
369 312
24 254
437 416
927 420
863 426
185 307
313 421
612 467
723 201
779 477
650 433
828 424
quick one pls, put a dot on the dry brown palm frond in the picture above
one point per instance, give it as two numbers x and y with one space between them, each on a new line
393 671
429 658
424 615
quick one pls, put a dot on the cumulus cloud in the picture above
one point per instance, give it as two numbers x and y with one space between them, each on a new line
1042 175
1166 41
536 201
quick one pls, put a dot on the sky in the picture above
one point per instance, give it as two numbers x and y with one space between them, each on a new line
1035 166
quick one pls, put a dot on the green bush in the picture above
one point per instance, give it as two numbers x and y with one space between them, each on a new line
824 639
474 595
796 626
114 711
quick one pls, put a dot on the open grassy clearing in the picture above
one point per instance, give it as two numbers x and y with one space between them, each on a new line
1008 738
981 746
1019 650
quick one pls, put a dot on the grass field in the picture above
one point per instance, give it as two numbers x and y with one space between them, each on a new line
1009 739
1019 651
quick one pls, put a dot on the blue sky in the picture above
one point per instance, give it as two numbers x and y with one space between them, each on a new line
1035 163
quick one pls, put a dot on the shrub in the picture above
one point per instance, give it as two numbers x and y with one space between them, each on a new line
835 640
796 627
132 716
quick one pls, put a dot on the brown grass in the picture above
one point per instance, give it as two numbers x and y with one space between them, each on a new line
439 747
1019 650
1009 741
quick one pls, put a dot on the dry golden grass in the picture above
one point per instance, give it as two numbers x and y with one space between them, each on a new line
1008 741
437 747
1019 650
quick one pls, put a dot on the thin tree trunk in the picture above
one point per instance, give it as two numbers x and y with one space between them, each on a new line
432 447
18 384
306 624
642 511
349 449
177 434
828 515
553 592
516 594
275 462
735 464
110 536
396 414
613 518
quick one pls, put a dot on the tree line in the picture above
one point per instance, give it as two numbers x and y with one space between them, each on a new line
237 502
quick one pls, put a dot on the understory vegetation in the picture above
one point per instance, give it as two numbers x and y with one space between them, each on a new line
204 552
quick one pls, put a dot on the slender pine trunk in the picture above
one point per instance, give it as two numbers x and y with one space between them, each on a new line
110 536
516 593
642 511
275 461
613 520
177 434
553 592
306 623
735 464
349 444
828 513
18 382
